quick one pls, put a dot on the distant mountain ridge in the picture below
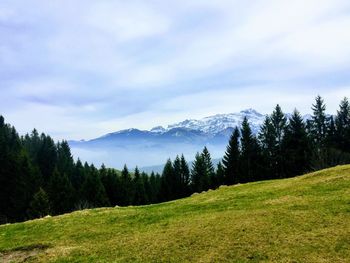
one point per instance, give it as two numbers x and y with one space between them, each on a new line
152 147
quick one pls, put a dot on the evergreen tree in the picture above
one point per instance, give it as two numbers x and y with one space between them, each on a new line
209 176
93 191
198 174
60 193
177 180
40 205
220 176
147 185
296 146
319 123
65 163
126 189
185 177
47 157
110 181
231 159
249 154
167 191
140 197
343 126
154 185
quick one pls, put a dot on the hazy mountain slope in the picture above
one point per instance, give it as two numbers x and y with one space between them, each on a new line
149 148
303 219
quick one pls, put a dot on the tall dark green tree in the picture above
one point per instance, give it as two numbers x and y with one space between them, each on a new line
343 126
249 154
93 191
167 190
185 177
199 174
209 178
65 162
126 188
40 205
297 146
231 159
176 184
220 175
140 197
47 157
318 123
60 191
111 183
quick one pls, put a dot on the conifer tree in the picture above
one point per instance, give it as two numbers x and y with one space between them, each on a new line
47 157
140 197
343 126
319 123
110 181
60 193
93 191
231 159
147 185
126 189
185 177
167 190
209 169
176 184
297 147
154 189
198 174
40 205
220 176
249 154
65 162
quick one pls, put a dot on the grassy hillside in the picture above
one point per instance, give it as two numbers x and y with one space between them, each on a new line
303 219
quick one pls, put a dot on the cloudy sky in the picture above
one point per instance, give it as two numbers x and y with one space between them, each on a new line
79 68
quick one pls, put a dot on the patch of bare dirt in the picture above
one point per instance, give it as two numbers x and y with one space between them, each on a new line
22 254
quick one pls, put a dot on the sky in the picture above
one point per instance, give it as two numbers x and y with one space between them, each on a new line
78 69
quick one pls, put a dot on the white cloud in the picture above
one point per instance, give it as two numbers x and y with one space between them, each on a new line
220 56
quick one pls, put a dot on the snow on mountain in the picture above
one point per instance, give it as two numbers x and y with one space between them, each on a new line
148 148
218 123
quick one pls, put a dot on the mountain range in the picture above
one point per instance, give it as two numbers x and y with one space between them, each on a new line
151 148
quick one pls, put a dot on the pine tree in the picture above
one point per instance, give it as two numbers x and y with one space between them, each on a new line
60 193
249 154
198 174
47 157
147 185
40 205
176 184
126 189
93 191
231 159
185 177
140 197
110 181
65 163
319 123
167 191
296 144
220 176
209 170
343 126
154 189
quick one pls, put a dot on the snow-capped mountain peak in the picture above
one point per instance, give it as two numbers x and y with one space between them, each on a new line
217 123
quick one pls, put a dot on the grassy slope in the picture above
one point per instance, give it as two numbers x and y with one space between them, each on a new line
303 219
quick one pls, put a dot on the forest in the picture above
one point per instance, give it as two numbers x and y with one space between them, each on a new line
40 177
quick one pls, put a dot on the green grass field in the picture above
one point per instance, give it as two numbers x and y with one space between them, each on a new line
302 219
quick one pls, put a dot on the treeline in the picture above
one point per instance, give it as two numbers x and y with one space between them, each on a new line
39 177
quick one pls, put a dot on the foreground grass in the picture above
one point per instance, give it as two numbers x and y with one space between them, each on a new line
303 219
